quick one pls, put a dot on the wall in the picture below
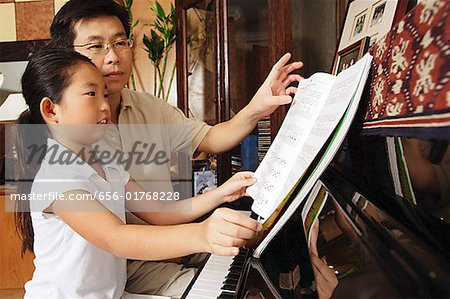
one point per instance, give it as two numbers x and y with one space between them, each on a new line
142 67
314 38
23 20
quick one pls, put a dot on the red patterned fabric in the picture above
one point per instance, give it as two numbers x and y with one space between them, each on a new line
410 94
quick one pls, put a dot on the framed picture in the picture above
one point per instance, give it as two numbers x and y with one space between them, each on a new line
359 23
347 57
370 18
377 13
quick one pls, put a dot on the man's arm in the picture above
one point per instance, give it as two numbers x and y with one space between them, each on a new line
275 91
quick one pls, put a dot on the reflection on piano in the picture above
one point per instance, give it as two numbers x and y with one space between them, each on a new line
374 252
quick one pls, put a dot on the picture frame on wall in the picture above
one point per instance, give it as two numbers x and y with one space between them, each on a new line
350 55
359 23
372 18
377 13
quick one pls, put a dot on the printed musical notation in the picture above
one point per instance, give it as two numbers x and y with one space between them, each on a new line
330 115
281 161
318 106
292 135
276 169
275 173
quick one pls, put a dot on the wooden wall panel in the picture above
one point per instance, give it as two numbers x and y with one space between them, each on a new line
14 271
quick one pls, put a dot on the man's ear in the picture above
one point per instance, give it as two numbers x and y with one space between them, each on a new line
48 111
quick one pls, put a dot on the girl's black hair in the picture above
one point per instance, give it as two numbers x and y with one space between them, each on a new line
48 74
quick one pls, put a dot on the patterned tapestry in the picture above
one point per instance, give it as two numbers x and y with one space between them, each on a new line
409 92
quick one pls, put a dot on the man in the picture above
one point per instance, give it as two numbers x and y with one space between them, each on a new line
99 29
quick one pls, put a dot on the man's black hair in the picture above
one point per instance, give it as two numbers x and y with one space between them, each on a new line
62 28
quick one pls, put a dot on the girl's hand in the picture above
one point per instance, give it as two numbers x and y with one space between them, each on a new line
226 230
236 186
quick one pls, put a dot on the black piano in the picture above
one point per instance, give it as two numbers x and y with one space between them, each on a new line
384 247
384 230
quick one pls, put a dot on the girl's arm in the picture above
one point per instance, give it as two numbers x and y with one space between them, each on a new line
183 211
222 233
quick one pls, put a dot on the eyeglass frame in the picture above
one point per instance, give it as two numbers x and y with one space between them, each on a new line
106 46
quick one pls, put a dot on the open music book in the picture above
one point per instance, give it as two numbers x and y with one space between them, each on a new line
323 109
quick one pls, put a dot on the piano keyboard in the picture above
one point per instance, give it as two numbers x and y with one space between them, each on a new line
219 278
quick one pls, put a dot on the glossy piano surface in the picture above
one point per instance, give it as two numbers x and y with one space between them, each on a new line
383 231
377 241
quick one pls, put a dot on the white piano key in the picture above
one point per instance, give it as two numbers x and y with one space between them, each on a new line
210 280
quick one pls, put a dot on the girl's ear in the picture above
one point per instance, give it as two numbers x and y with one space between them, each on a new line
48 112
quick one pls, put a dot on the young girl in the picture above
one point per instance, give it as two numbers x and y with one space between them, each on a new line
79 238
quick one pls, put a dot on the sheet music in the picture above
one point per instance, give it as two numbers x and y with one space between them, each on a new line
275 171
358 74
317 108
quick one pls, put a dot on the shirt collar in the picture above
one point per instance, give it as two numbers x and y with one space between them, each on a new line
125 101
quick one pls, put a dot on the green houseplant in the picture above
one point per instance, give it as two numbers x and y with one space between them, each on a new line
127 4
158 45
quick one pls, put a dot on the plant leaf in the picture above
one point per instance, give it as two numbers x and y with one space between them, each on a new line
159 10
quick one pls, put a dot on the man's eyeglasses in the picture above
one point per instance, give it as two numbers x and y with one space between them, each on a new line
103 47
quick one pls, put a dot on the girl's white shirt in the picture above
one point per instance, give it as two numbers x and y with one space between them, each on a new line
68 266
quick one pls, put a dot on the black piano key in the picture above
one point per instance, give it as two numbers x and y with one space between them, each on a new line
234 268
233 275
238 263
225 295
229 288
230 281
239 258
242 253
